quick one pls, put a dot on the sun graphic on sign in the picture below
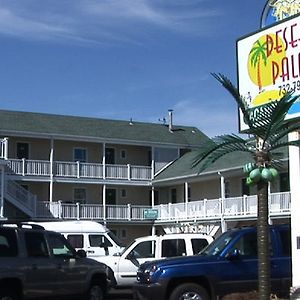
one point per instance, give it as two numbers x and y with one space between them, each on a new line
265 52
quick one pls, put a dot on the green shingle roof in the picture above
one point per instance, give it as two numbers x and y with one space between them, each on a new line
49 125
183 167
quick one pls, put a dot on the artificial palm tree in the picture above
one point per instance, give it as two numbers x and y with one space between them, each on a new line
269 131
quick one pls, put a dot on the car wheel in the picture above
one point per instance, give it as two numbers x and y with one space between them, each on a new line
6 294
95 292
189 291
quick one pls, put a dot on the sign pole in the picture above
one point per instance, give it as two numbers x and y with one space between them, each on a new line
294 170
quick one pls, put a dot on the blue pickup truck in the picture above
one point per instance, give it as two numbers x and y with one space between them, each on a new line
227 265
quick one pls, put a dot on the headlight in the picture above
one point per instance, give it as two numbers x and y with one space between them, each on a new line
149 271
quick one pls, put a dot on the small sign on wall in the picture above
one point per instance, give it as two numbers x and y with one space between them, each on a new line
150 214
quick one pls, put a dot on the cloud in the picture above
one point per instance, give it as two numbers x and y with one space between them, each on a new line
212 119
102 22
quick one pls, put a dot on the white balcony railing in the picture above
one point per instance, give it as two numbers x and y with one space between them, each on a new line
207 209
26 167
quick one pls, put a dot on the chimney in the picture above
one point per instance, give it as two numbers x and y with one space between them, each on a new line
170 119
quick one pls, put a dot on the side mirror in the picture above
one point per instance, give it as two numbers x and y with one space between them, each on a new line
81 253
103 245
133 259
233 255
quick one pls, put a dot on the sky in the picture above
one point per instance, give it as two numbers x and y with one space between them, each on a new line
125 59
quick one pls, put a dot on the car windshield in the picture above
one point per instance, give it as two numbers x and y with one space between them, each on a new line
115 238
123 250
218 245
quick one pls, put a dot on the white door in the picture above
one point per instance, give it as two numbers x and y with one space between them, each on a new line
128 265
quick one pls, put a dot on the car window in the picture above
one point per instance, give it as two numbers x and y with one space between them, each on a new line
98 239
59 246
8 243
76 240
174 247
36 245
144 250
198 245
218 245
247 245
285 237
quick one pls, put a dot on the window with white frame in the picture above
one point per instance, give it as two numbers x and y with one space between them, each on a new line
80 154
79 195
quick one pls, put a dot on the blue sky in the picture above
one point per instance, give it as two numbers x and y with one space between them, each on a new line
122 59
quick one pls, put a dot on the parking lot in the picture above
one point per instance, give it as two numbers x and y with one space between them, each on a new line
121 294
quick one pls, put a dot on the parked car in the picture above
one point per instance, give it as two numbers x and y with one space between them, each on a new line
125 264
227 265
93 237
38 264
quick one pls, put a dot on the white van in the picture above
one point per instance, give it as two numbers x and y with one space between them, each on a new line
94 238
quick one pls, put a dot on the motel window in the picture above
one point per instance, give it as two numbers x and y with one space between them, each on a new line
79 195
22 150
80 154
173 196
227 189
123 154
284 182
245 188
123 193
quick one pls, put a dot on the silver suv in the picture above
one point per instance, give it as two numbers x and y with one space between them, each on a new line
38 264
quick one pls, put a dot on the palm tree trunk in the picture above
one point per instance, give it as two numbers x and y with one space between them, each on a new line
264 284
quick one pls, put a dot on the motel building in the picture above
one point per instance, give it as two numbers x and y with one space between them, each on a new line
137 178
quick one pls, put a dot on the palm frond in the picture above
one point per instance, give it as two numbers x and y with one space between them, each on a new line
285 144
281 132
276 119
242 104
220 146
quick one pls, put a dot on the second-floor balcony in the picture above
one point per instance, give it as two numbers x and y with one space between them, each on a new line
61 169
206 210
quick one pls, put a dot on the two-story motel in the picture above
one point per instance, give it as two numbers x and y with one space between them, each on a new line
134 177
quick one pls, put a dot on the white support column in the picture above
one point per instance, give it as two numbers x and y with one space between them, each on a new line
186 197
104 202
51 170
222 192
103 161
6 148
152 197
294 172
152 205
2 192
152 163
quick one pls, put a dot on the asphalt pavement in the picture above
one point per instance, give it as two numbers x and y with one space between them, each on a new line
120 294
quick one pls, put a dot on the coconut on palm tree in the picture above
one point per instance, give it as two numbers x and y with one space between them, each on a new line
269 131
